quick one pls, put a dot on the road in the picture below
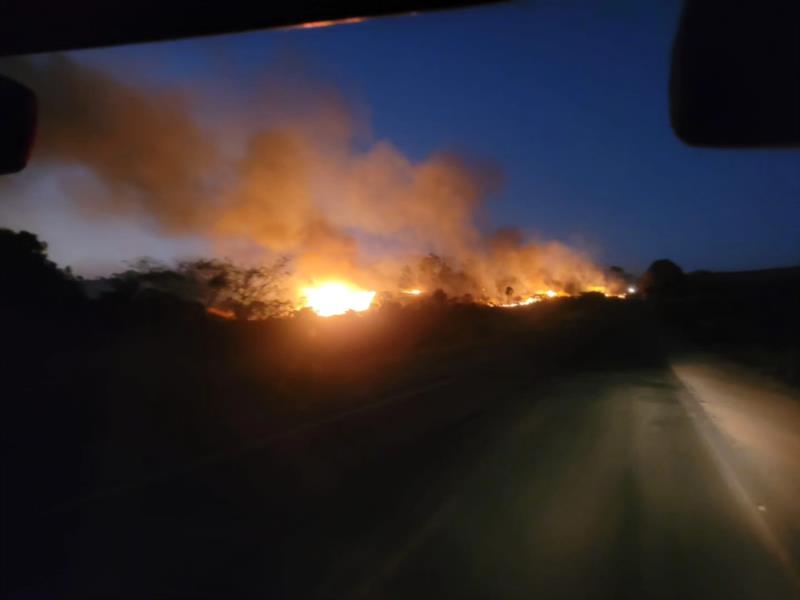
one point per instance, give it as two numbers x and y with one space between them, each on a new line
606 489
635 477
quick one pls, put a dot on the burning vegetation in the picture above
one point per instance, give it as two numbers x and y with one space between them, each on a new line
336 298
230 291
341 220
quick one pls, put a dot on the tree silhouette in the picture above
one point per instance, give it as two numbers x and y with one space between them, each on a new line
663 278
249 292
246 292
29 278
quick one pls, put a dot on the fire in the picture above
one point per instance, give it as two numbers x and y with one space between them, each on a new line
221 312
550 294
328 23
336 298
413 292
526 302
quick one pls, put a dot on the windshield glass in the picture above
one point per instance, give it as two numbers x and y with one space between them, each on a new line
428 305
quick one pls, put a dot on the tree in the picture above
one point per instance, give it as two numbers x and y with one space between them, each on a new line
663 278
249 292
620 274
146 274
28 276
435 272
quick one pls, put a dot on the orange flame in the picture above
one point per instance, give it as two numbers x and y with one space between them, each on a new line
336 298
220 312
328 23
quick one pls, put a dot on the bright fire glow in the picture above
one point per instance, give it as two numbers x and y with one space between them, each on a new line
525 302
412 292
221 312
336 298
551 294
328 23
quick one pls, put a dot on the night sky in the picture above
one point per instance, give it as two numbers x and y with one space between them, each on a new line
567 99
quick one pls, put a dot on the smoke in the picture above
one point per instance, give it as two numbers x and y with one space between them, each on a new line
301 183
144 149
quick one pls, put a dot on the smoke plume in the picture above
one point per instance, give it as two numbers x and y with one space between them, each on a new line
302 184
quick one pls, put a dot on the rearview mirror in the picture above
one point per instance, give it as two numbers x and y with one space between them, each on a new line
736 74
17 125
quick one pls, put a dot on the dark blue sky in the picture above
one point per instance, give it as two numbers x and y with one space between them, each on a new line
567 98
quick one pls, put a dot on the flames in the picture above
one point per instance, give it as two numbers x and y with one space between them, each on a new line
301 182
336 298
332 298
526 302
328 23
220 312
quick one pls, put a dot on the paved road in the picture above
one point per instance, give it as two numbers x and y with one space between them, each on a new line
752 424
640 479
607 486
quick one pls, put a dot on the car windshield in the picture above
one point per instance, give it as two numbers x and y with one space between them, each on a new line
430 305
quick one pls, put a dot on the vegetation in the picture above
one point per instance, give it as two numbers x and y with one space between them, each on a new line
663 279
142 377
137 381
